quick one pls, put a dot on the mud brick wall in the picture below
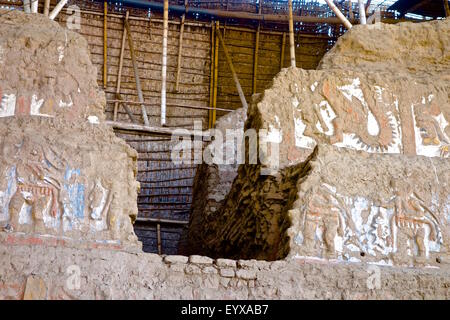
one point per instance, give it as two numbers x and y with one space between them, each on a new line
41 272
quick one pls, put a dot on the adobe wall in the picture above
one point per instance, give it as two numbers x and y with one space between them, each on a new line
51 272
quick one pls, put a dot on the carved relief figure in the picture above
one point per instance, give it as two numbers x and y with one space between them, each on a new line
321 212
415 223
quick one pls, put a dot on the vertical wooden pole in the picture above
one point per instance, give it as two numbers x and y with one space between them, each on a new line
105 44
291 36
350 9
46 7
211 77
180 48
136 73
283 47
216 75
255 59
164 63
233 71
119 73
362 12
447 8
158 231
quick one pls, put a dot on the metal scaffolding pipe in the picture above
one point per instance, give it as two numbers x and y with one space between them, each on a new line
164 63
229 14
362 12
339 14
57 9
26 6
34 6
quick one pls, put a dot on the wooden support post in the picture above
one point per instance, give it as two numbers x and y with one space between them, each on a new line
136 73
362 12
216 76
255 59
125 106
211 77
447 8
230 64
164 62
180 48
283 47
46 7
105 44
119 72
339 14
350 10
158 231
291 36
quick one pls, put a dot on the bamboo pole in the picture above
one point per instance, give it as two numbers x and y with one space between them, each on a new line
125 106
447 8
119 72
158 230
180 47
57 9
136 73
211 77
46 7
362 12
339 14
283 46
350 9
230 64
164 63
255 59
105 44
216 75
291 36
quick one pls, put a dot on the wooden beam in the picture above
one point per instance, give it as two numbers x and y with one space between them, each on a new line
255 59
130 127
46 7
216 75
158 232
180 48
233 71
125 106
136 73
119 72
283 46
446 8
57 9
211 76
162 221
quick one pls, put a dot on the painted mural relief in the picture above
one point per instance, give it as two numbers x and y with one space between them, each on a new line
384 217
42 192
364 116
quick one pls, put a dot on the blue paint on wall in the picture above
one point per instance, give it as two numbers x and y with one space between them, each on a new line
75 192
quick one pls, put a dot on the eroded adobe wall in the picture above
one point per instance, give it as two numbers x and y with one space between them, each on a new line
56 272
386 106
57 155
